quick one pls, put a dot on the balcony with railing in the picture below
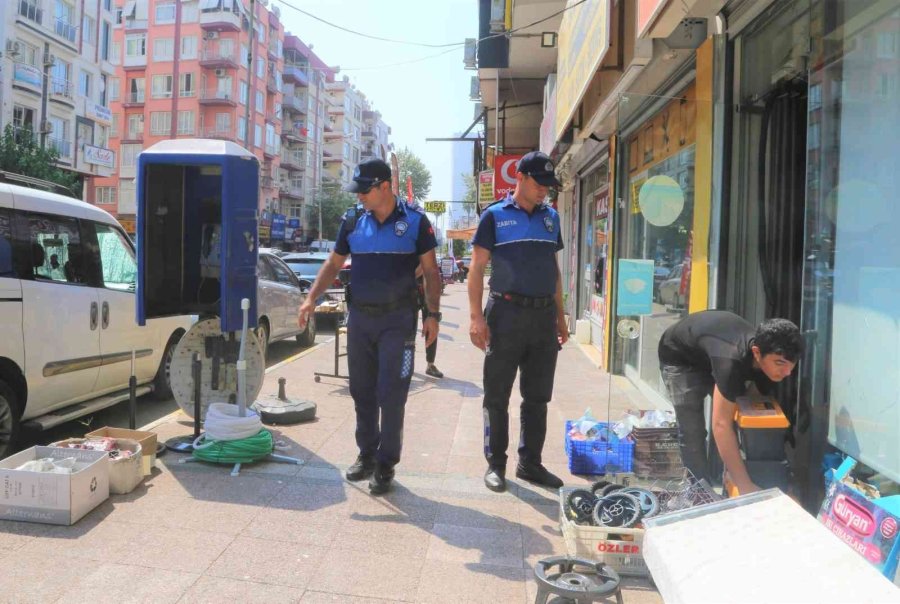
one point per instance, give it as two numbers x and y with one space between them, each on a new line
133 99
62 90
31 10
369 134
296 74
272 83
290 190
293 102
131 62
62 146
221 132
218 96
295 134
270 151
267 182
336 110
218 19
220 56
274 48
292 160
369 115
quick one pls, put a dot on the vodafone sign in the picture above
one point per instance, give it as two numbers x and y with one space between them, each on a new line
505 174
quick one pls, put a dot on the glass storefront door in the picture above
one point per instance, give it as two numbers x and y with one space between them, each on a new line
655 221
851 286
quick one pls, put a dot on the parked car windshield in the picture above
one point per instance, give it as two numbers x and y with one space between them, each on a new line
305 267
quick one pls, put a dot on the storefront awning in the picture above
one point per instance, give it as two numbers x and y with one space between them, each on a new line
462 234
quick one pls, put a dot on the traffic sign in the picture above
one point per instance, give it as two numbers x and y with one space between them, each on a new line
436 207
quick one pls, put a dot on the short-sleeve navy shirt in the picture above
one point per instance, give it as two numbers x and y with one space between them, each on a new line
385 255
523 247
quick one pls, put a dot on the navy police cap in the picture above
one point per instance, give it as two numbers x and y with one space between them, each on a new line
368 174
538 166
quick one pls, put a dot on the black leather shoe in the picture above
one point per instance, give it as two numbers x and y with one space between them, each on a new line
538 474
361 468
495 480
380 482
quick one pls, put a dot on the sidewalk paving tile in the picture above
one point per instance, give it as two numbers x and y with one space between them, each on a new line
288 564
219 590
450 543
361 574
39 577
454 583
116 583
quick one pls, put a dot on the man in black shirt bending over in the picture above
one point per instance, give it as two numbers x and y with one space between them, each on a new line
719 353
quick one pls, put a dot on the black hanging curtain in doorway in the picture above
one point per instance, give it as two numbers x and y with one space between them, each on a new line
782 215
782 182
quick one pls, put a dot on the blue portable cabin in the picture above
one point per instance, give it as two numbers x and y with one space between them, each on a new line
197 230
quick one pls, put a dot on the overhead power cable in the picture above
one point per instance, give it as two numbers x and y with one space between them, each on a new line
451 45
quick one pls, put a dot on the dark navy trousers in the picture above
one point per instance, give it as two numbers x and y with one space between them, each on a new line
523 341
380 355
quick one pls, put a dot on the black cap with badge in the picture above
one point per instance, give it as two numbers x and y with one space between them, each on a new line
538 166
368 174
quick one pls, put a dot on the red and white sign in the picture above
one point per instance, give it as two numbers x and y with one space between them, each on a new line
505 174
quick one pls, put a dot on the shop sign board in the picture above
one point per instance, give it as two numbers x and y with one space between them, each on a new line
635 287
436 207
278 224
647 11
583 42
505 175
99 156
486 188
98 112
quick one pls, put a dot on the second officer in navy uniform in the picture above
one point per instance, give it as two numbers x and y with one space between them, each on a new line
388 240
522 325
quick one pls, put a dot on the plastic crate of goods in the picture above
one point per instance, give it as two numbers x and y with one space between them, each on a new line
620 548
603 455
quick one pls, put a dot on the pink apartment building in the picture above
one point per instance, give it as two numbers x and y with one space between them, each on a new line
183 73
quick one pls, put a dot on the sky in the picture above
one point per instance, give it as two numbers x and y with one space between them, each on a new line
428 98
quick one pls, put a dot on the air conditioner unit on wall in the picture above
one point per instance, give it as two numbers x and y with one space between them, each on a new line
212 35
221 73
46 127
13 47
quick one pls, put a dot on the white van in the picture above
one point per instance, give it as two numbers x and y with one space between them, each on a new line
67 314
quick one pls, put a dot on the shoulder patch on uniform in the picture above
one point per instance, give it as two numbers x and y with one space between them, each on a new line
548 223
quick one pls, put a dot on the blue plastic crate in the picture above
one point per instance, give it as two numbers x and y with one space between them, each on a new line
598 457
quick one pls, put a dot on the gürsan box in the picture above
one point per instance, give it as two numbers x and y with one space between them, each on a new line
869 526
51 498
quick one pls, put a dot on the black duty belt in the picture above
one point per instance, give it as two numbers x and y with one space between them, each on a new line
376 310
525 301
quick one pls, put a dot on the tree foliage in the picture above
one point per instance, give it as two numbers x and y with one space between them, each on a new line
411 165
334 203
459 248
20 153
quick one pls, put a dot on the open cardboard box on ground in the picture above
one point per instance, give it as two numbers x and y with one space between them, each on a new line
147 440
51 498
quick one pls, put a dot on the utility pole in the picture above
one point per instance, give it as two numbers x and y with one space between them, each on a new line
251 94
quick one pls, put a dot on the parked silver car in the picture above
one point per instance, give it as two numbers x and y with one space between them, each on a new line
279 298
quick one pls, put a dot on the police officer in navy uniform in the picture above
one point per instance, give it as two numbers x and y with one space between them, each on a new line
388 240
522 325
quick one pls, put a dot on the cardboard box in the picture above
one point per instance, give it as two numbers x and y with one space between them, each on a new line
147 440
864 524
53 498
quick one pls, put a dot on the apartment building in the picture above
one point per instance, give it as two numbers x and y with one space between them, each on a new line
304 126
55 79
359 132
182 71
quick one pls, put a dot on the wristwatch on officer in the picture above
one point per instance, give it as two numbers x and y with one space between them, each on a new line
436 315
